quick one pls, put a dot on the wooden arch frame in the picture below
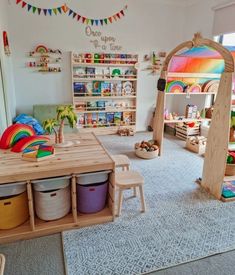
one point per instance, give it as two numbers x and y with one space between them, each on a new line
218 136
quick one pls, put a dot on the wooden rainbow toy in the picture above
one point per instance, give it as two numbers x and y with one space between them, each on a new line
38 153
175 86
29 142
15 133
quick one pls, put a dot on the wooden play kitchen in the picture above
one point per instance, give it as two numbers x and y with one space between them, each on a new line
31 194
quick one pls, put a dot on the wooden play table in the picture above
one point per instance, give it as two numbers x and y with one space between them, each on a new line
88 156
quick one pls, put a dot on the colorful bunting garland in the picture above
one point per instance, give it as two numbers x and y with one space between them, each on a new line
65 9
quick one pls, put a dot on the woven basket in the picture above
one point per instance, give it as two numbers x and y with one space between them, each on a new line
53 204
146 155
230 170
13 211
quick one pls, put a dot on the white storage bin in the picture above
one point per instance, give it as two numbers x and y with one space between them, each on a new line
52 198
12 189
91 178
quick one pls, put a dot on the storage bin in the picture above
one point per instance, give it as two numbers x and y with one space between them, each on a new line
52 198
13 205
92 191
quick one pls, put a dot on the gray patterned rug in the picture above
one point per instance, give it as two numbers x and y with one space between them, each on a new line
183 223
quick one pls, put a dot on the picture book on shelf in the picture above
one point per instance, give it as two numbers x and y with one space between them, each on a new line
102 119
79 89
105 89
79 72
96 88
88 119
94 119
116 88
89 88
110 118
80 120
127 118
80 106
100 105
91 106
90 72
117 118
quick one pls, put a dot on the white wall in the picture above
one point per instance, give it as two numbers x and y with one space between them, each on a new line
148 25
7 70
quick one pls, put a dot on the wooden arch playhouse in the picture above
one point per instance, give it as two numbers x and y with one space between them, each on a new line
218 136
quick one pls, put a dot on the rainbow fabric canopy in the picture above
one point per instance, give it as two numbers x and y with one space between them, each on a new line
199 60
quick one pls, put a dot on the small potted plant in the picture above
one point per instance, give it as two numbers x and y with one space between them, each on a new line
56 125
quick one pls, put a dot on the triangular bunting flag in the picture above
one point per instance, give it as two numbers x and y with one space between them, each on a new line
39 11
122 12
101 22
125 8
78 17
64 8
110 19
59 9
50 11
18 1
87 21
106 21
74 14
45 11
55 11
70 12
34 9
29 7
118 15
83 19
92 22
97 22
115 17
24 4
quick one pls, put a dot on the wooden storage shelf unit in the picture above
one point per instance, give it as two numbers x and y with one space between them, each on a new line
109 82
89 156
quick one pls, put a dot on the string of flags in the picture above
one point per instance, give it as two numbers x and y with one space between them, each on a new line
64 9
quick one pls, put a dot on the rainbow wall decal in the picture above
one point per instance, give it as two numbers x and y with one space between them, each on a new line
175 87
41 49
29 142
15 133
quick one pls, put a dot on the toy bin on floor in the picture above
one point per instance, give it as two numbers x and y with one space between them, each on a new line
92 191
52 198
13 205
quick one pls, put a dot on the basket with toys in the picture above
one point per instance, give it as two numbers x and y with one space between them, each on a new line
146 149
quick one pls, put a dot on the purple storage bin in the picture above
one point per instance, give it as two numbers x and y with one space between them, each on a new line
91 198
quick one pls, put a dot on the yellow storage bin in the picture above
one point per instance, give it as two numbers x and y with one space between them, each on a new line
14 207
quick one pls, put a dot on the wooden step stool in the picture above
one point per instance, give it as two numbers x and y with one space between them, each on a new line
2 264
122 161
126 180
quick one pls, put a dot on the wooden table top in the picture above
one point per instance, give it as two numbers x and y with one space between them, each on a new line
88 156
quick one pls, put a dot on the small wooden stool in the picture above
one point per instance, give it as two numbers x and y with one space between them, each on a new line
2 264
126 180
121 161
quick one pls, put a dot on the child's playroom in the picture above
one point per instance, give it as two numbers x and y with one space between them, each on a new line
117 137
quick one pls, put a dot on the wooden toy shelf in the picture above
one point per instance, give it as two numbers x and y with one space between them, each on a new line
117 77
88 156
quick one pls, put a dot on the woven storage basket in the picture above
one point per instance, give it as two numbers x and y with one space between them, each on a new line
52 204
146 155
13 210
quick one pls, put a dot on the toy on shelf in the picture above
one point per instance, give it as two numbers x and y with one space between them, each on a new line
191 111
15 133
44 59
156 60
176 86
28 142
196 144
194 88
125 132
38 153
146 149
228 190
64 112
210 86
